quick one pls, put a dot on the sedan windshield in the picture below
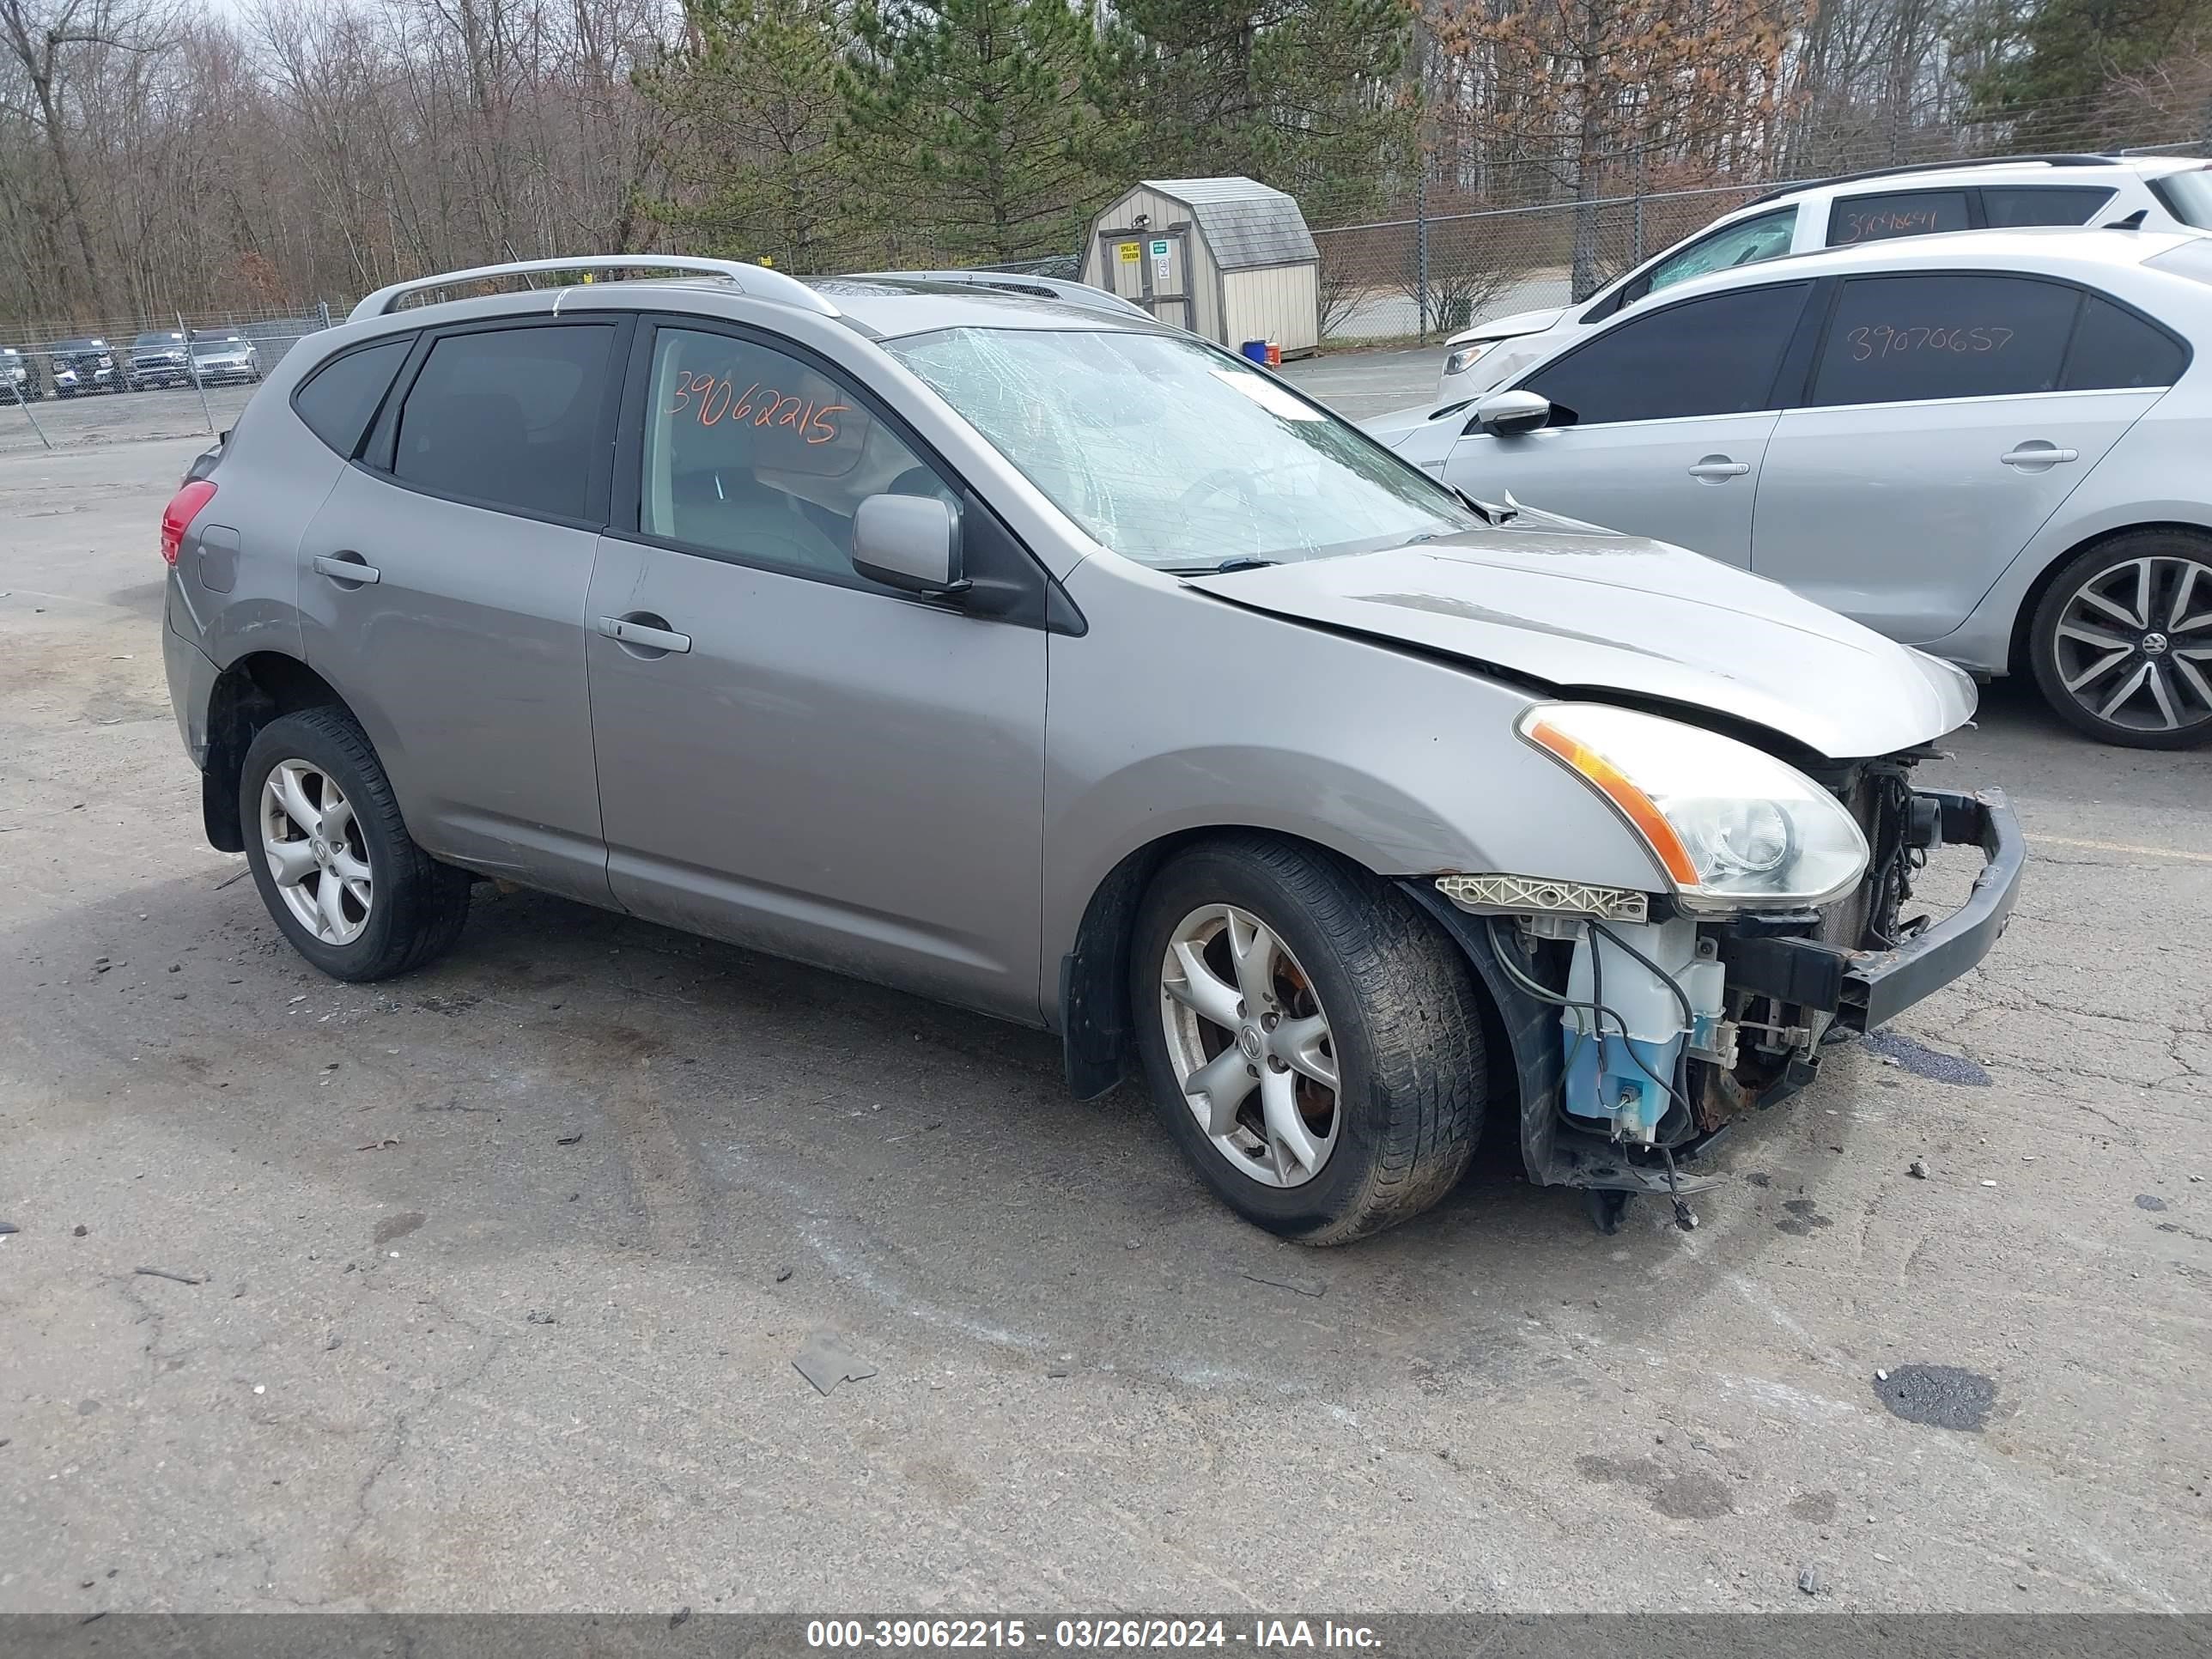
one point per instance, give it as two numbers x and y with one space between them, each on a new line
1175 454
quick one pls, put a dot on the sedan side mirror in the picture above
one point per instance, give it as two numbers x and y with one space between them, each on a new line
909 542
1502 414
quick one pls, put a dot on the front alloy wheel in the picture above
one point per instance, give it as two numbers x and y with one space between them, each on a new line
2123 646
1250 1042
1312 1041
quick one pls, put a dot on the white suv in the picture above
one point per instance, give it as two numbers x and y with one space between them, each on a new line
2169 192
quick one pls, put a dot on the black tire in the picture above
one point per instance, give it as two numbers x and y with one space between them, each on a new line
1405 1025
2046 645
417 905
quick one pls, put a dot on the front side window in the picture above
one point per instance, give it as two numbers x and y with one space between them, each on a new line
1715 355
1899 339
1855 219
752 453
506 417
1748 243
1175 454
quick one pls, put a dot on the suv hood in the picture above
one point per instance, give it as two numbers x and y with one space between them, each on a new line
1504 328
1583 610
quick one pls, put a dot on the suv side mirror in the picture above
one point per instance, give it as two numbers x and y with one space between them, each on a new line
909 542
1502 414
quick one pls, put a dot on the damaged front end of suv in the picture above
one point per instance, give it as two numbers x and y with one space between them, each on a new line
1640 1025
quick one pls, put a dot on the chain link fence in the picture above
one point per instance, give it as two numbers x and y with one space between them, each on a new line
75 380
1452 255
1431 274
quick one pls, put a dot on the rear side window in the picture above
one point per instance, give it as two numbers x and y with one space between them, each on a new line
506 417
1855 219
1897 339
1715 355
339 399
2116 348
2010 206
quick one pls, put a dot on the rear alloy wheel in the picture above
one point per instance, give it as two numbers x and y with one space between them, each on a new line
314 849
2123 642
331 856
1311 1039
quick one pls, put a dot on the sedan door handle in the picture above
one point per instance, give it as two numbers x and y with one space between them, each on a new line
347 567
1717 467
643 633
2038 453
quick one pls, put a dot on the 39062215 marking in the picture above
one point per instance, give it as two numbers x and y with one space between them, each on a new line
898 1633
1108 1634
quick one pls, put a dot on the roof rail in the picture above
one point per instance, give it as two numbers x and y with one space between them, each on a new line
1958 165
1015 282
758 281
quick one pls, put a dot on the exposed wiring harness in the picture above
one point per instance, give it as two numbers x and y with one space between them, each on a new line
1894 864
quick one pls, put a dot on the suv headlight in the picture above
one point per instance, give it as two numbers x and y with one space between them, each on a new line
1459 361
1734 827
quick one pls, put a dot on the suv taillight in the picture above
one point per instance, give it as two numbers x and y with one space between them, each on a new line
177 517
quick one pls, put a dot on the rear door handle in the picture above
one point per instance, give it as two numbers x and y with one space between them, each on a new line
1717 467
643 634
2039 454
347 567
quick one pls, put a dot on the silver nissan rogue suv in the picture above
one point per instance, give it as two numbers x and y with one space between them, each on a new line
1042 659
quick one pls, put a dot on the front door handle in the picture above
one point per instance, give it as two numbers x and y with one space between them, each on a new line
348 568
645 633
2038 453
1714 468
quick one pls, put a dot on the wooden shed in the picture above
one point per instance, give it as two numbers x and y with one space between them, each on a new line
1228 259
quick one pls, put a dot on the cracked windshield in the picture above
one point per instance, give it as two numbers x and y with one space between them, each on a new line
1176 455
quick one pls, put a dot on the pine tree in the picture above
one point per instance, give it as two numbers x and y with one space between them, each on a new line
2061 67
1306 95
756 89
975 121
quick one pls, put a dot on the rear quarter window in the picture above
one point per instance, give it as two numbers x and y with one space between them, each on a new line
2114 347
2008 207
339 399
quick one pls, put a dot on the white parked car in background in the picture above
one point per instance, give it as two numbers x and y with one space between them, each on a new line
2169 192
1992 445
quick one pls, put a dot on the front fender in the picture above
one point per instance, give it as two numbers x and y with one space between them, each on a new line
1236 718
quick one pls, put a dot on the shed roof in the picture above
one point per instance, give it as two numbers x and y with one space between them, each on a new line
1246 225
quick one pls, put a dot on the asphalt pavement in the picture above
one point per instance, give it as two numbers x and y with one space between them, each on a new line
482 1289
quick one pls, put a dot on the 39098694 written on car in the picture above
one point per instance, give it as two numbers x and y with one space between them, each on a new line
1361 819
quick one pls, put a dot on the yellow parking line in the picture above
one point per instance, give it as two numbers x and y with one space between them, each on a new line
2121 846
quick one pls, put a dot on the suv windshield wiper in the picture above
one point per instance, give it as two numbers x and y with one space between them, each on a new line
1242 561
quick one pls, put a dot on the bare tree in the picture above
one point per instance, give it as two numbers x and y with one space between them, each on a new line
46 39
